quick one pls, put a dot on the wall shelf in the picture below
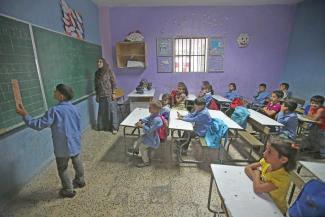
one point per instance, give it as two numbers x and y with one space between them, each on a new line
131 51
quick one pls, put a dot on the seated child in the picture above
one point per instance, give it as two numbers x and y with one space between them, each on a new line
165 110
64 120
180 97
232 93
273 107
150 138
262 95
201 119
289 119
206 92
284 87
271 173
316 138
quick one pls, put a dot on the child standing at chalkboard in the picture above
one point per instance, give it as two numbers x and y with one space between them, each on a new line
64 120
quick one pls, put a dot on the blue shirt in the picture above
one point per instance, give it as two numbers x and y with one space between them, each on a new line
290 122
231 95
64 120
165 111
201 119
207 97
151 124
260 98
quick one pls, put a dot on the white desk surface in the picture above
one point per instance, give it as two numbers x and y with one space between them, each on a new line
304 119
228 121
236 189
135 116
220 98
177 124
190 97
146 93
317 169
263 119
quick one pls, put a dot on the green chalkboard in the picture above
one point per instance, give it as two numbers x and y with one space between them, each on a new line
67 60
17 61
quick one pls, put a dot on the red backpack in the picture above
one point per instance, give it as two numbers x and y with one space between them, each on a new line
163 130
213 105
236 102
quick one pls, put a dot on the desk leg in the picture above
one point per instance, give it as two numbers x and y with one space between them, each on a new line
129 134
293 187
209 199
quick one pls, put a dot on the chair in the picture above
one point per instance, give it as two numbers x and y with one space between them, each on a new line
119 95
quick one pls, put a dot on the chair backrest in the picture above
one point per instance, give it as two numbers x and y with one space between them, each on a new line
299 101
119 92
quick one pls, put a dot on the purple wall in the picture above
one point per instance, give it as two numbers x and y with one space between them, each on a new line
262 61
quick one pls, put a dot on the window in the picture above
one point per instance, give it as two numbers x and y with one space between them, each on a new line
190 54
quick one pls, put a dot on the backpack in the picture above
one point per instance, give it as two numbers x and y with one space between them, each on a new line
213 105
311 201
216 132
236 102
240 116
163 130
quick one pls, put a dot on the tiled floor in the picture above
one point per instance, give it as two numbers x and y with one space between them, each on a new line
115 187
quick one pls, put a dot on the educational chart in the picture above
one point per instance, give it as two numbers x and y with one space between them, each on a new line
67 60
165 64
216 54
17 61
216 46
164 47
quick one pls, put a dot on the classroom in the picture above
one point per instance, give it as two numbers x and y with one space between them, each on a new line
162 108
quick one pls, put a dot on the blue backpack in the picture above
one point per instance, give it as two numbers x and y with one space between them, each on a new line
311 201
240 116
216 132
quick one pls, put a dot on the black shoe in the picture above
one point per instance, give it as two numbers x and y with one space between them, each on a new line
142 164
77 184
65 193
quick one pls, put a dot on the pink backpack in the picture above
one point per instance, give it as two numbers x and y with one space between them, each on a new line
163 130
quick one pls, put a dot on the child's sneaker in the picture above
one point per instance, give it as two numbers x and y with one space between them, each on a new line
65 193
77 184
143 164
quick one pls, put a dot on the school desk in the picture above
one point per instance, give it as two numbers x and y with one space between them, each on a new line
141 100
130 121
301 121
237 196
221 99
176 125
263 119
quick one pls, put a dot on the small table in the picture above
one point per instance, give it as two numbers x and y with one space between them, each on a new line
131 120
237 196
315 168
302 120
221 99
263 119
141 100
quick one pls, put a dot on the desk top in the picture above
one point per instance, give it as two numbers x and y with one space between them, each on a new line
220 98
190 97
146 93
304 119
230 123
263 119
236 189
135 116
317 169
177 124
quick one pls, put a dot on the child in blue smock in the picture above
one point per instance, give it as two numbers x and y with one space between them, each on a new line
200 118
150 138
206 92
261 96
289 119
232 93
165 102
64 120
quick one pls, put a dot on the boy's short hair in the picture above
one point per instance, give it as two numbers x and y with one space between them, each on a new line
199 101
234 85
291 104
278 93
318 99
263 85
66 91
286 85
205 82
156 103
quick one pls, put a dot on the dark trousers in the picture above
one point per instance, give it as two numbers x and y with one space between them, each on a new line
107 114
190 136
62 165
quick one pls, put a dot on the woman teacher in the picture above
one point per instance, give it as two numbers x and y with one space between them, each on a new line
105 86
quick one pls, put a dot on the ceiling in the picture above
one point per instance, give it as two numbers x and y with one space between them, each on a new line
156 3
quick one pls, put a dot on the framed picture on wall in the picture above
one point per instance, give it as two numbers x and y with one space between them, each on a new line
165 64
215 64
216 46
164 47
